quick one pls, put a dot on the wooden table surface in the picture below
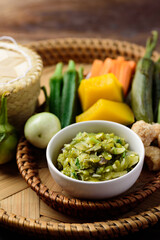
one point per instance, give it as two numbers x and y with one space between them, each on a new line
43 19
31 20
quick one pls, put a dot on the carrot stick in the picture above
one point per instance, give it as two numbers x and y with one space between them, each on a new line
125 76
117 66
120 58
96 67
133 65
106 68
114 66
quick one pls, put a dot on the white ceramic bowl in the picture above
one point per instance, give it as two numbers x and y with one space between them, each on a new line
94 190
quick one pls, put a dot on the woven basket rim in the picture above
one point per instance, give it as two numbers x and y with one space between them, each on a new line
101 42
109 228
28 169
36 44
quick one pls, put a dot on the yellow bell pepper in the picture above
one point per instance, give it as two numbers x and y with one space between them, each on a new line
106 86
108 110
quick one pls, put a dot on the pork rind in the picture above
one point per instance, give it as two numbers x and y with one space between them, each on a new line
150 136
145 131
152 158
158 140
156 127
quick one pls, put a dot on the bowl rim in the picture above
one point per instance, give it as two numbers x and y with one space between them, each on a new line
50 163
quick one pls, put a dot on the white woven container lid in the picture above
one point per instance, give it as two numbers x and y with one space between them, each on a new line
13 64
20 71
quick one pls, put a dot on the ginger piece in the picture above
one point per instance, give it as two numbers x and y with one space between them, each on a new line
152 158
145 131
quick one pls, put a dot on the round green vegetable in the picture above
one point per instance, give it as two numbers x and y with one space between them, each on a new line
40 128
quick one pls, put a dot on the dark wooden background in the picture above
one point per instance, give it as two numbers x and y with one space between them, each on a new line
32 20
29 20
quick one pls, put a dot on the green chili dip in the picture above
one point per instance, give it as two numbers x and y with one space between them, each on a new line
96 157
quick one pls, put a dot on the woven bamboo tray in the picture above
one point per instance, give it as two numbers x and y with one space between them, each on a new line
38 206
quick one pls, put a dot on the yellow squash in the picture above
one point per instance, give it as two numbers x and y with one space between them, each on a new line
108 110
106 86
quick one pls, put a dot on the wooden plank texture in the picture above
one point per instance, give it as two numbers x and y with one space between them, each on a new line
10 180
23 203
43 19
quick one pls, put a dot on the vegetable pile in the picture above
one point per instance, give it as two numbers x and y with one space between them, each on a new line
96 157
118 90
102 97
103 94
94 98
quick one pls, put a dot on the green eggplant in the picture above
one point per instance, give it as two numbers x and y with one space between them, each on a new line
8 134
141 91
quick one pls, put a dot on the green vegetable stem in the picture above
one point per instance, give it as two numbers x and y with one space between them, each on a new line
141 92
69 95
80 74
46 107
8 135
81 77
158 113
55 90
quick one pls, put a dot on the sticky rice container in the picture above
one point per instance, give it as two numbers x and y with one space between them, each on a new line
20 72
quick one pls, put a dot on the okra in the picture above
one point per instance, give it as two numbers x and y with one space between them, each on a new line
69 95
141 92
55 90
